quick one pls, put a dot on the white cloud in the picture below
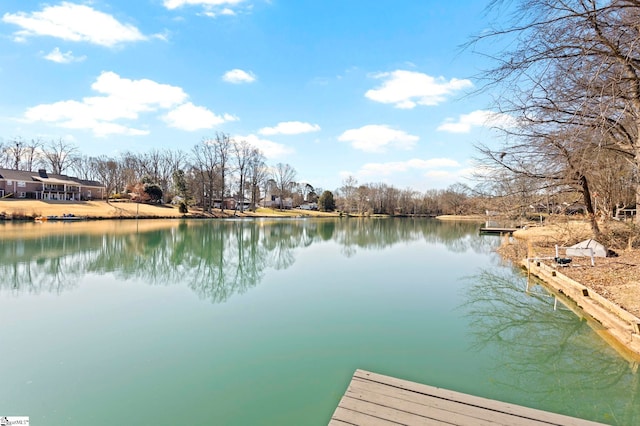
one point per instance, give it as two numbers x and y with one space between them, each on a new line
478 118
406 89
270 149
238 76
191 117
73 22
63 58
123 99
385 169
211 8
376 138
289 128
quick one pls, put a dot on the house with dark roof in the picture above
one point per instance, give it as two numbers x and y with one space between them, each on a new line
44 186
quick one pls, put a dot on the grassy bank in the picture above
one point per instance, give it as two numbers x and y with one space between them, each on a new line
30 209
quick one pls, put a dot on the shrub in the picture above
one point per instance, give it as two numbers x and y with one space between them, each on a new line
183 208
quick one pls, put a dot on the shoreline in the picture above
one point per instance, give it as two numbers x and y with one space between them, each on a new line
584 286
618 327
470 218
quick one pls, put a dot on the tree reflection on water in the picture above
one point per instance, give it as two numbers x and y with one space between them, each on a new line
544 351
216 259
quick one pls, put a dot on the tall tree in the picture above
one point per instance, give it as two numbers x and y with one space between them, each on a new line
347 201
107 170
223 145
258 174
32 154
15 151
284 176
180 185
243 154
206 164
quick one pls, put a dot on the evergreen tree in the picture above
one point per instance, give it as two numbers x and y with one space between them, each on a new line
326 203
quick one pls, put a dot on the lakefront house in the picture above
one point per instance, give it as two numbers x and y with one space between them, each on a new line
41 185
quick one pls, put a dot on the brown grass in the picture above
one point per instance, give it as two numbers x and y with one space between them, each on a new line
30 209
93 209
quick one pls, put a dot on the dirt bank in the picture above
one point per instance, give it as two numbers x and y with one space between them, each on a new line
616 278
612 284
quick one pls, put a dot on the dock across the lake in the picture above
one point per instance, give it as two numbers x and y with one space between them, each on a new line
374 399
497 230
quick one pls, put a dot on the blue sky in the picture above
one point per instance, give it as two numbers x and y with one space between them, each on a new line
376 89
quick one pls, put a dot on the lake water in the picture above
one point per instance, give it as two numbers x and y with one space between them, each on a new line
263 322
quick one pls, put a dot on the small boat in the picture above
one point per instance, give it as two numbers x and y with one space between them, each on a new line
65 217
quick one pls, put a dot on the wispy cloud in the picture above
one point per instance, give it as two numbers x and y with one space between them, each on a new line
377 138
73 22
407 89
478 118
290 128
63 58
238 76
385 169
271 150
211 8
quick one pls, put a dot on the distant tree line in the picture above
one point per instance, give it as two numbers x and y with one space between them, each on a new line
220 167
382 198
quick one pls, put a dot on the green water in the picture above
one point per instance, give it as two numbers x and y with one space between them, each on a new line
243 322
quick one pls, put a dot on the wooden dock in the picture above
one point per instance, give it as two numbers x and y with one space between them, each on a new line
374 399
497 230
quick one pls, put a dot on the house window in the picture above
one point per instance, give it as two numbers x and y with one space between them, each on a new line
9 182
22 184
22 195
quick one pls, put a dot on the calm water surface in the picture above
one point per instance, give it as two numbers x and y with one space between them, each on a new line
264 322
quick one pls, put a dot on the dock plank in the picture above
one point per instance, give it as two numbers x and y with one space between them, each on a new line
435 407
427 411
373 398
388 413
354 417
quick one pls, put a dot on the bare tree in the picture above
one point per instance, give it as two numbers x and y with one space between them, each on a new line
60 155
223 145
243 154
206 164
284 176
160 165
574 66
15 151
32 154
258 174
539 163
106 169
83 169
347 199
